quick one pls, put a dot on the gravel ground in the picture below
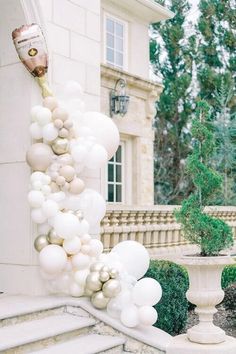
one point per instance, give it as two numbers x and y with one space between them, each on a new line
226 319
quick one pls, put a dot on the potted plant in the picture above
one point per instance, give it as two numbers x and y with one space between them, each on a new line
212 235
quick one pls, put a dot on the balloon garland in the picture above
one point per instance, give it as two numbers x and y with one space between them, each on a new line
66 143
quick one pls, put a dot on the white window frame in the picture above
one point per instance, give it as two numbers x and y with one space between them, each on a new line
125 40
126 144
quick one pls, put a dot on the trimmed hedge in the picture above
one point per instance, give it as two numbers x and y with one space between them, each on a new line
230 297
173 306
228 276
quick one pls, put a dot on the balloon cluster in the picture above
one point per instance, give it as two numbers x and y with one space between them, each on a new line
102 284
66 143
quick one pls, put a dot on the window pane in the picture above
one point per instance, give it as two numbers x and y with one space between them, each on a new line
110 40
118 154
119 59
110 173
119 44
111 193
118 193
112 159
119 29
110 25
118 173
110 55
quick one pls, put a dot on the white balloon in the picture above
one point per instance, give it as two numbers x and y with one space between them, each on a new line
38 216
92 204
37 185
129 316
80 276
79 153
72 89
72 245
146 292
66 225
83 227
80 261
76 290
57 197
34 111
36 131
37 176
68 267
104 130
50 133
147 315
97 157
85 239
43 116
52 259
62 283
84 131
115 305
133 256
96 248
46 189
35 199
50 208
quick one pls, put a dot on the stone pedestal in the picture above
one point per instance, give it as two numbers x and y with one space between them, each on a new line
205 292
181 345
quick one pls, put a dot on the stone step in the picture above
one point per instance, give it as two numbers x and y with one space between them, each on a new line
35 334
87 344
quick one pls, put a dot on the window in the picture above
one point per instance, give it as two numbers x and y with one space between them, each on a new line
115 47
115 177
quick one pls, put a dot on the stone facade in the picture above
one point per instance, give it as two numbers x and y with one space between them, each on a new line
136 127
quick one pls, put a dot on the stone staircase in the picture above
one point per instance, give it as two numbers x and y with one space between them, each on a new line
57 325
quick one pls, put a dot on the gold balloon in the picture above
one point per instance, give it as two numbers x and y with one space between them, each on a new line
60 146
40 242
53 238
111 288
99 300
104 276
96 267
113 273
92 282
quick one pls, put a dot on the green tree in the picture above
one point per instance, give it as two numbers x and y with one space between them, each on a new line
211 234
171 55
216 73
224 158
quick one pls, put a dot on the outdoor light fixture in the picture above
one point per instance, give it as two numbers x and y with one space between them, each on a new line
119 101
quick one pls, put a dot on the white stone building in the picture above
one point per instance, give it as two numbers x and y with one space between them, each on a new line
95 42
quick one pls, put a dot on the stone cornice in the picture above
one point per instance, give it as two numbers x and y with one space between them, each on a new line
112 74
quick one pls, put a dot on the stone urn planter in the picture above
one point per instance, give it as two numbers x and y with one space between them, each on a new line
205 292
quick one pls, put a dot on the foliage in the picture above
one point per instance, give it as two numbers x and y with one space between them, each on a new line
228 276
230 296
216 74
211 234
171 58
224 158
173 306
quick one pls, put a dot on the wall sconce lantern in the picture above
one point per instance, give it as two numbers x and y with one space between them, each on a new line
119 101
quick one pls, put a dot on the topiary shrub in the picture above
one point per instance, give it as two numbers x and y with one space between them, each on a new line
212 235
228 276
229 302
173 306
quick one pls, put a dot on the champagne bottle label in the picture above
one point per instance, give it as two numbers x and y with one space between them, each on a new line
31 48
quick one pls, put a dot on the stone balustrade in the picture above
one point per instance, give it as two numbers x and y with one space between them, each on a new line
155 227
